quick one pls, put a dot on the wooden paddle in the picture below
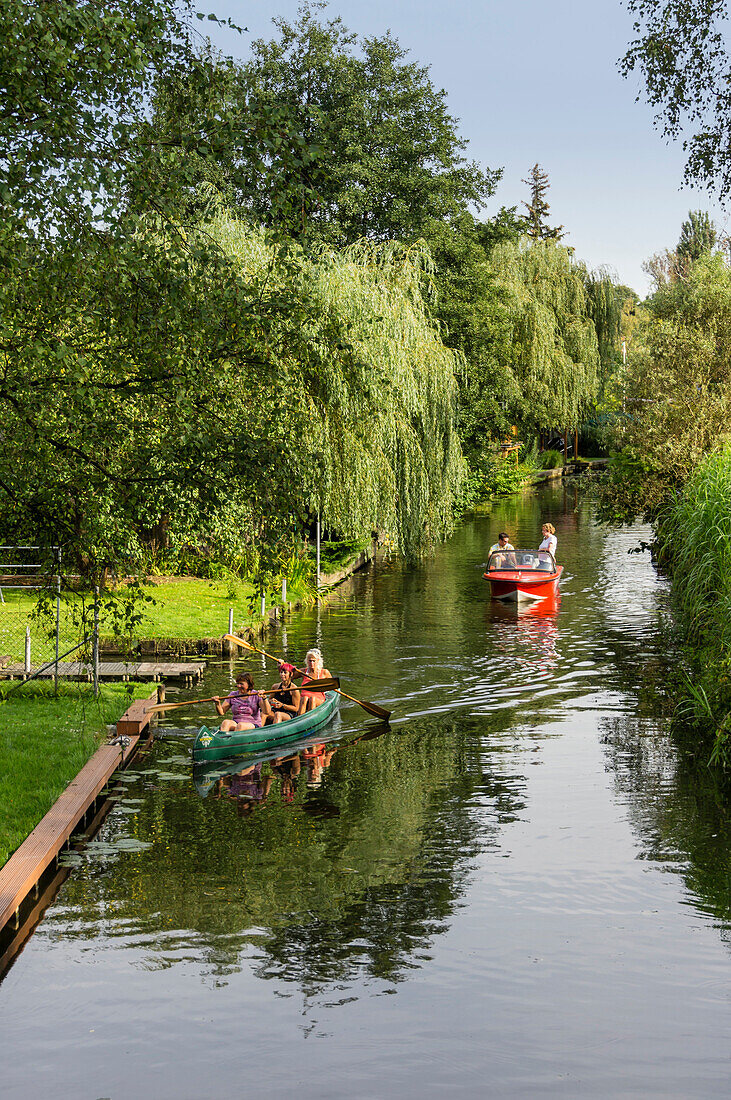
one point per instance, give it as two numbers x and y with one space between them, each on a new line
372 708
331 684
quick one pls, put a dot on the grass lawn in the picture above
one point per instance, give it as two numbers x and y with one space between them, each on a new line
45 741
183 608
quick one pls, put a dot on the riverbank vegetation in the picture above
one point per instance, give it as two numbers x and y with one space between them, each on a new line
672 461
46 740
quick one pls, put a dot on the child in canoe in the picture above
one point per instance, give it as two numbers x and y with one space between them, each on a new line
244 704
284 702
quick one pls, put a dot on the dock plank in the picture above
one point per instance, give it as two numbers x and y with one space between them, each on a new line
111 670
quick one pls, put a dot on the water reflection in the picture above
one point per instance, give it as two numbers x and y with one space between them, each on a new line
527 634
371 840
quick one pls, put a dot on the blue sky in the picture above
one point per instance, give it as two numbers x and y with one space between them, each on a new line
535 81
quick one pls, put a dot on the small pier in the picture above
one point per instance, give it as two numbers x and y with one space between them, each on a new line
186 671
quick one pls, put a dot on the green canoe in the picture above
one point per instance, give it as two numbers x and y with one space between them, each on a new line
211 744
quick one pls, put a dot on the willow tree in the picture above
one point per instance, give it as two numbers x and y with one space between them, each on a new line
554 347
359 381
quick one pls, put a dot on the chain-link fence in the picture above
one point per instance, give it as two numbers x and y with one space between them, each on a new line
46 632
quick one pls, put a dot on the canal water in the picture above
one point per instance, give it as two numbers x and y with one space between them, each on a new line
521 889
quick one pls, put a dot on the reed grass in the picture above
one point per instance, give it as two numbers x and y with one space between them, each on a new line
694 538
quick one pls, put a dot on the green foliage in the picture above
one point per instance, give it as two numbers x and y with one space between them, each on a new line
697 237
681 52
675 395
390 160
553 338
550 460
375 414
694 538
494 476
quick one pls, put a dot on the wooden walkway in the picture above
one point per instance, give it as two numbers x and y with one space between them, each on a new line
23 871
187 671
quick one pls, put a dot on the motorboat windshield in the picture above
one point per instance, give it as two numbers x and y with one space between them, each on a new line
539 561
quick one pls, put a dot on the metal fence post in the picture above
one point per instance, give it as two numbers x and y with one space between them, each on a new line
26 662
58 619
96 642
263 605
284 590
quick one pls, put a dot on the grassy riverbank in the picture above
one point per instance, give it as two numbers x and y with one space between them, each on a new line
45 741
174 608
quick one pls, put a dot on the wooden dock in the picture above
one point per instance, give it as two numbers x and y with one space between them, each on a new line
187 671
22 873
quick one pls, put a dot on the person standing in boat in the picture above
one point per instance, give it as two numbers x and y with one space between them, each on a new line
550 542
503 543
285 701
244 704
314 670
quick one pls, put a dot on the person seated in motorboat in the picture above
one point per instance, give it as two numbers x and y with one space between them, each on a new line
550 542
501 560
284 702
314 670
244 704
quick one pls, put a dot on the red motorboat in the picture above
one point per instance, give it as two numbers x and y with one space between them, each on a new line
518 575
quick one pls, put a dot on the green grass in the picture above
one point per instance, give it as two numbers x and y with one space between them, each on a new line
44 742
183 608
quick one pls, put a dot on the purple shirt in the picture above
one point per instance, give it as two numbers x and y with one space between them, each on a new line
245 709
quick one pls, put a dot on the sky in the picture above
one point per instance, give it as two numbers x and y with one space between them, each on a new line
532 81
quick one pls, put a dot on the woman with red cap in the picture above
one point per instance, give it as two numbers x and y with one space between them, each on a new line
285 702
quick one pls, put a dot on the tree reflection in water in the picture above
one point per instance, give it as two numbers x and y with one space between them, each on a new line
351 873
678 809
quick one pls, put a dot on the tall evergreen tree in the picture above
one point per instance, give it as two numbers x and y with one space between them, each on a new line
697 237
537 209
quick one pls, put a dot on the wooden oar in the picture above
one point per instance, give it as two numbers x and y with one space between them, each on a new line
326 684
372 708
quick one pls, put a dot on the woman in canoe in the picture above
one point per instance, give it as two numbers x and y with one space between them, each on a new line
285 701
314 670
244 704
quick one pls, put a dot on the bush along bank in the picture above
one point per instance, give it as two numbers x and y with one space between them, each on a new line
694 542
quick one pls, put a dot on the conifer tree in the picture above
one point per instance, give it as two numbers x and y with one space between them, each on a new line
697 237
538 209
